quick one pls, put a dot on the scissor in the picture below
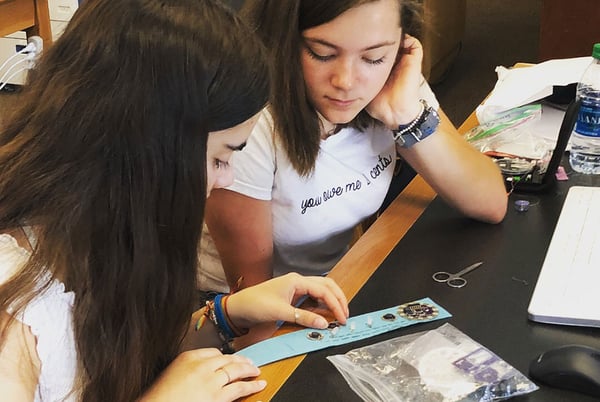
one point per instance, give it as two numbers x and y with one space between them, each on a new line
455 280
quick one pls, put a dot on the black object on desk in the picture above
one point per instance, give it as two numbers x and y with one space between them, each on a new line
546 181
562 95
492 309
574 367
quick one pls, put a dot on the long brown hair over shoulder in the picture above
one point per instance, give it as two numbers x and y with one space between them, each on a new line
280 25
106 158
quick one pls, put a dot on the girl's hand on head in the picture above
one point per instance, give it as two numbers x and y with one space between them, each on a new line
205 375
274 300
398 101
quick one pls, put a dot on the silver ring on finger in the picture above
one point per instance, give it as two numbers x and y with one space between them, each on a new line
226 373
296 315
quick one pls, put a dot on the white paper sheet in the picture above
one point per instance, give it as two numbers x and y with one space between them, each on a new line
520 86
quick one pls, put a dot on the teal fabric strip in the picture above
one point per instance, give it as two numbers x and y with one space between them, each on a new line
359 327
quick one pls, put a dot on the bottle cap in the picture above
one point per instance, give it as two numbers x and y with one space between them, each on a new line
522 205
596 51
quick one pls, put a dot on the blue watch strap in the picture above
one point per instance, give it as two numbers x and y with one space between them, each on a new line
422 127
359 327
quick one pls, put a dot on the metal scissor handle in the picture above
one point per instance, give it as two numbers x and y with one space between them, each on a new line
455 280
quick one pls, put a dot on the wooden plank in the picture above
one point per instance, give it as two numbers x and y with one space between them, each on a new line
42 26
16 15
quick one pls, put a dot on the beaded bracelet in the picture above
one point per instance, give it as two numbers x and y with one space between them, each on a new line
404 128
425 124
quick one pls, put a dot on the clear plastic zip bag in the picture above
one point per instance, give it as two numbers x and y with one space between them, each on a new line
441 365
508 135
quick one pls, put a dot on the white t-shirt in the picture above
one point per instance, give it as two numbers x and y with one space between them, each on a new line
313 217
49 316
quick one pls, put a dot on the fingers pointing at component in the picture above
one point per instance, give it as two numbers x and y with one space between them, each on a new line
274 300
326 290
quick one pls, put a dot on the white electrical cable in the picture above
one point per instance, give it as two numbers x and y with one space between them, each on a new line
8 72
38 43
3 84
31 47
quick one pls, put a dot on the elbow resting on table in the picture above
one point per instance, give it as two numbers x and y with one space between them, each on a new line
488 199
497 214
490 210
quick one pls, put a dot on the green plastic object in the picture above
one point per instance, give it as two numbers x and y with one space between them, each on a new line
596 51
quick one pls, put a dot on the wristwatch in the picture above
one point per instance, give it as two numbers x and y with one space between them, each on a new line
420 128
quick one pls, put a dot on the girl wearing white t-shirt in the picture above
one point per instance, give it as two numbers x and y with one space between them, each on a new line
347 95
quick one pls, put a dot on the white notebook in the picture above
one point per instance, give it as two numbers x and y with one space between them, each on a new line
568 287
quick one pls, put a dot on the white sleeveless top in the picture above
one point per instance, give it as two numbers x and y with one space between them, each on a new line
49 315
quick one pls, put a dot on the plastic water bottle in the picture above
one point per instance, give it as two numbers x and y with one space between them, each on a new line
584 156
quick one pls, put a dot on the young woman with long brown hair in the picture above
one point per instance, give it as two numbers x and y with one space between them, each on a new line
127 123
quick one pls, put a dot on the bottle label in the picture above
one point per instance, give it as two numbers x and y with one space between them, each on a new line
588 120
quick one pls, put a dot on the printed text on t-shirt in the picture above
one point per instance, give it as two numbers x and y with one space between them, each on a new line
336 191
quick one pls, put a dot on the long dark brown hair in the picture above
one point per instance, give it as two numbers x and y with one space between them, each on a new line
106 158
280 25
